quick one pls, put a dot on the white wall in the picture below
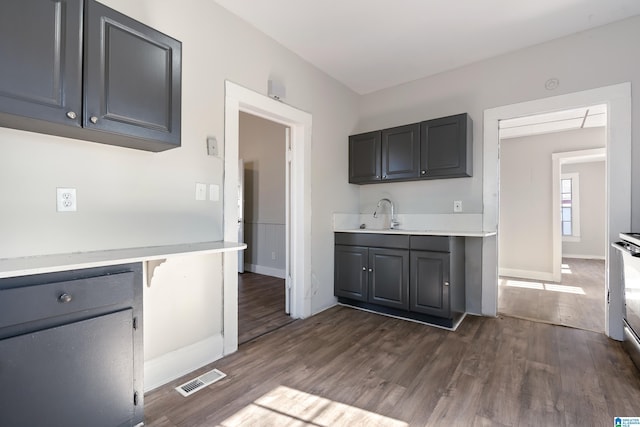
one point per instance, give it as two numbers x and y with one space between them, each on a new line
526 220
262 147
592 244
591 59
132 198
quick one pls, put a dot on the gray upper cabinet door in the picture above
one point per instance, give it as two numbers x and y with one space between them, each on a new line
364 157
132 79
446 147
40 62
401 152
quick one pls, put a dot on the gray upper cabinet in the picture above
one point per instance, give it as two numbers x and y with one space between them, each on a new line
131 79
81 70
40 62
401 152
446 147
364 157
433 149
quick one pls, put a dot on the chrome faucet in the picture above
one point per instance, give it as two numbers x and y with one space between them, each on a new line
393 222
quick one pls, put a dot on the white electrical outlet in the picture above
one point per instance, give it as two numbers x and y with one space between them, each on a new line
273 255
66 200
457 206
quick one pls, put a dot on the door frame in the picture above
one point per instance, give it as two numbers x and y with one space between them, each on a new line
618 175
237 99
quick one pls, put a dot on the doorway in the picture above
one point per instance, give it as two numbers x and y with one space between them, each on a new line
298 256
618 176
262 221
552 229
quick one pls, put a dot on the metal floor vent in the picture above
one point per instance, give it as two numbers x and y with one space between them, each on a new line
190 387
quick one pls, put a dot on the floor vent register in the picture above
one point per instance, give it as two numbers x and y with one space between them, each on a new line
190 387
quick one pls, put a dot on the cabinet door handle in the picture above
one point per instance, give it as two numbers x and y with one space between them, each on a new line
446 283
65 298
423 172
72 115
364 268
370 270
384 176
94 119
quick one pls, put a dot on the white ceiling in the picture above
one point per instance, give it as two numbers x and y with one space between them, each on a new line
373 44
558 121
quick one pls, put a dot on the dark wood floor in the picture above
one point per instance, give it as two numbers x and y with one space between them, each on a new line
260 305
577 301
346 367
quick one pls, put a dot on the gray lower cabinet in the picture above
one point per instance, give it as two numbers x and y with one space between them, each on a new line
78 69
71 348
374 275
418 277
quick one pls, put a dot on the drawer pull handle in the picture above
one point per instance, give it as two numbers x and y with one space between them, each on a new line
65 298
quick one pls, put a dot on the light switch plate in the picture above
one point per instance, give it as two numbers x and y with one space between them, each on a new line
212 146
457 206
214 192
201 191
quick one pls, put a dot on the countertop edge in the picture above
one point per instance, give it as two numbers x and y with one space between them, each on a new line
25 266
421 232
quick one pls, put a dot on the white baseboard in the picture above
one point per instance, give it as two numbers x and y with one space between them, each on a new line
526 274
267 271
599 257
168 367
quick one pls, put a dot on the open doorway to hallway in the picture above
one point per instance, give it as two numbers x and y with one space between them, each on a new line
552 228
263 193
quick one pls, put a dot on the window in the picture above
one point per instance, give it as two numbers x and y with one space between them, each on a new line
570 206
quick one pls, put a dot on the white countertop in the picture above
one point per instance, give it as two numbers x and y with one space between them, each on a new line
461 233
13 267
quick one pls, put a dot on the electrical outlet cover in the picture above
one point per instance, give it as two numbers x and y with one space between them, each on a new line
457 206
66 200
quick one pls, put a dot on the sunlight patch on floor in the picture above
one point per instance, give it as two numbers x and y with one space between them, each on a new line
543 286
565 269
287 406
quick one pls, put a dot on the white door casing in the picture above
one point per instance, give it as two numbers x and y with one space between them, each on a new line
238 98
618 176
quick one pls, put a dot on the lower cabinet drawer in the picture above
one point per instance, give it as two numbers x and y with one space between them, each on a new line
31 303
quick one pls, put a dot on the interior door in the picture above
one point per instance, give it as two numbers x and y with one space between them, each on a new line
240 214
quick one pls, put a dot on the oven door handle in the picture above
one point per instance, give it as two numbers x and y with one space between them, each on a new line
625 248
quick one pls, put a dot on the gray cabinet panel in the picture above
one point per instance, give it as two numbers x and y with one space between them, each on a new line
389 279
132 82
446 147
401 152
351 275
40 57
430 283
74 375
364 157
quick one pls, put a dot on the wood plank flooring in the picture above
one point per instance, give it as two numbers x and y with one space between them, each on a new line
260 305
345 367
577 301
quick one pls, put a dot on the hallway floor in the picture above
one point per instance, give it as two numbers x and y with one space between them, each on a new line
577 301
260 305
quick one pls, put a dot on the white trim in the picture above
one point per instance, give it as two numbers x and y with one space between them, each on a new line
177 363
578 256
238 98
267 271
618 100
527 274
